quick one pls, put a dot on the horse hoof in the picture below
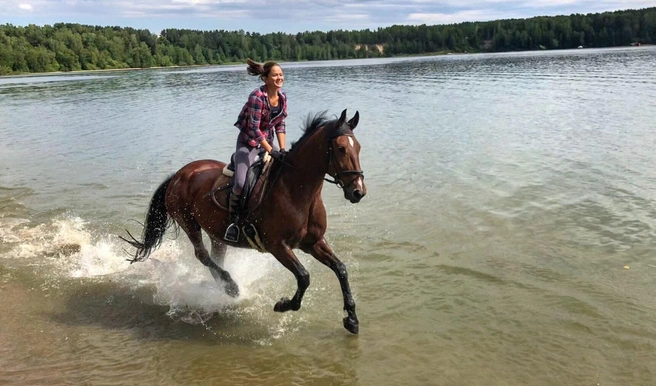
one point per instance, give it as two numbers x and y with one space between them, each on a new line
353 326
232 289
282 305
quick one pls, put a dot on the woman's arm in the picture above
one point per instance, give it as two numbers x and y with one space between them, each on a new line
266 146
281 140
256 105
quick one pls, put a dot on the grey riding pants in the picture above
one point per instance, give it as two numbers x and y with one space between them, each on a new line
244 158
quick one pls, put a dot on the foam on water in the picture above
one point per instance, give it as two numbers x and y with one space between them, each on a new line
175 276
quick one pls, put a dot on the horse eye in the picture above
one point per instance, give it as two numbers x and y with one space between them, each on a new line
341 149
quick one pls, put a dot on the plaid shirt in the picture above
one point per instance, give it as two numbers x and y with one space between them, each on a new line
255 121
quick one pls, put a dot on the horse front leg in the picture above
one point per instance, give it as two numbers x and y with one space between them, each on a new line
322 252
286 257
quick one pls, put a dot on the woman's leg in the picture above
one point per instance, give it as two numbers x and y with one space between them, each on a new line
244 158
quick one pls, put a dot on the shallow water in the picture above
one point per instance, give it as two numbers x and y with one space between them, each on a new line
506 238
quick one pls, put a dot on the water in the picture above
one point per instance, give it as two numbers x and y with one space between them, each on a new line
507 237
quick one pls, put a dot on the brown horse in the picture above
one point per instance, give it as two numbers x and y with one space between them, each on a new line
291 215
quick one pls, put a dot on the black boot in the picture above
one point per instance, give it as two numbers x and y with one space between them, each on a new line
232 231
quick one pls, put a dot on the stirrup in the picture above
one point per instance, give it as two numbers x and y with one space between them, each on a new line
232 233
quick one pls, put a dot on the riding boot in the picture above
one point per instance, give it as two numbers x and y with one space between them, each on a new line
232 232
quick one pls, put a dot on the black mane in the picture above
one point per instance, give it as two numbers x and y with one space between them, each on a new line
313 123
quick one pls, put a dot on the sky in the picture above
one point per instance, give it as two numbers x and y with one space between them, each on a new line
265 16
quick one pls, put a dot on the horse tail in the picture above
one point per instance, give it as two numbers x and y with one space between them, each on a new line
157 222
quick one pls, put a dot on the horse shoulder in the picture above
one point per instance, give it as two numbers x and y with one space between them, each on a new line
317 223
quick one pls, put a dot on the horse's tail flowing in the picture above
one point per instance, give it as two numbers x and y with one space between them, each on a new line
157 222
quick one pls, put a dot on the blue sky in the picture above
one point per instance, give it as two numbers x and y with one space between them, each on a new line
290 16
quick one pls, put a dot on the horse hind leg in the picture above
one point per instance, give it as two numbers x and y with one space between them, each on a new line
193 231
218 252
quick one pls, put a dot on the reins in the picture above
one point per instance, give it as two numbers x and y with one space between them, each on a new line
336 177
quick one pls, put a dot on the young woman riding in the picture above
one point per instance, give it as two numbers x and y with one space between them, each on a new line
262 117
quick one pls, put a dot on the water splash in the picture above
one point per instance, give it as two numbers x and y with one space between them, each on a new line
175 277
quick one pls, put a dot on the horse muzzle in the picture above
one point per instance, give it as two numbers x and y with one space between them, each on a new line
355 191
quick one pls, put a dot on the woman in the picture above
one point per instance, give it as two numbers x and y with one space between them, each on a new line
262 116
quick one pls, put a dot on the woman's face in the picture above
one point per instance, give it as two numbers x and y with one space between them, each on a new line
275 78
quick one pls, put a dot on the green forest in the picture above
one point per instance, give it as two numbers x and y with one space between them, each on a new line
74 47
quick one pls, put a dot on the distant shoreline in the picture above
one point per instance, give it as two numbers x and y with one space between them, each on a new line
439 53
26 74
74 47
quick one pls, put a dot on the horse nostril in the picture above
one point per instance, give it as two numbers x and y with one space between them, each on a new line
357 194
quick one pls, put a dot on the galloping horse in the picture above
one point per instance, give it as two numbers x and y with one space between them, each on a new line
291 215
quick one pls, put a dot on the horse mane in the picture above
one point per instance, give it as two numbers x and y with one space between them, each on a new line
312 125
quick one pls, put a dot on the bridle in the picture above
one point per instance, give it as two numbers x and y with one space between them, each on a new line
336 176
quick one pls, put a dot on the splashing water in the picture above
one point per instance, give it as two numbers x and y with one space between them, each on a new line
175 276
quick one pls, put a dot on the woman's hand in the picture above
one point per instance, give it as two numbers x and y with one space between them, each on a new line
278 155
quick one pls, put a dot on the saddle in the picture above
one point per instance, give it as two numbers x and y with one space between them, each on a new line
254 188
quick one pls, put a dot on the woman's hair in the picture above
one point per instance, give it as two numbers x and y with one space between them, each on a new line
262 70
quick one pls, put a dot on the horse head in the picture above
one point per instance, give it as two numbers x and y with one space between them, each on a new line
344 153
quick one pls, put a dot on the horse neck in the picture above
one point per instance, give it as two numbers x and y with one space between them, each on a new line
310 163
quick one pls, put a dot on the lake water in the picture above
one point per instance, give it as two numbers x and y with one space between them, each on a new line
507 238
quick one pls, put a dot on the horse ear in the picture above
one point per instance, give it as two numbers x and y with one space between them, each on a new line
354 121
342 118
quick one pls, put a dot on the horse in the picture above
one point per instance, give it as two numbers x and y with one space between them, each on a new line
290 215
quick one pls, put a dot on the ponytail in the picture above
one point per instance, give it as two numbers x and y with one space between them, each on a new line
258 69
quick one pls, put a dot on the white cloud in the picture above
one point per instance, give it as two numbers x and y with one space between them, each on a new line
456 17
291 15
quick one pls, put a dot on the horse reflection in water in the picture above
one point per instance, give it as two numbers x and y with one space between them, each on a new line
291 214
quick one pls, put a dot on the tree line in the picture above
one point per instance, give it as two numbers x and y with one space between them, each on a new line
73 47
